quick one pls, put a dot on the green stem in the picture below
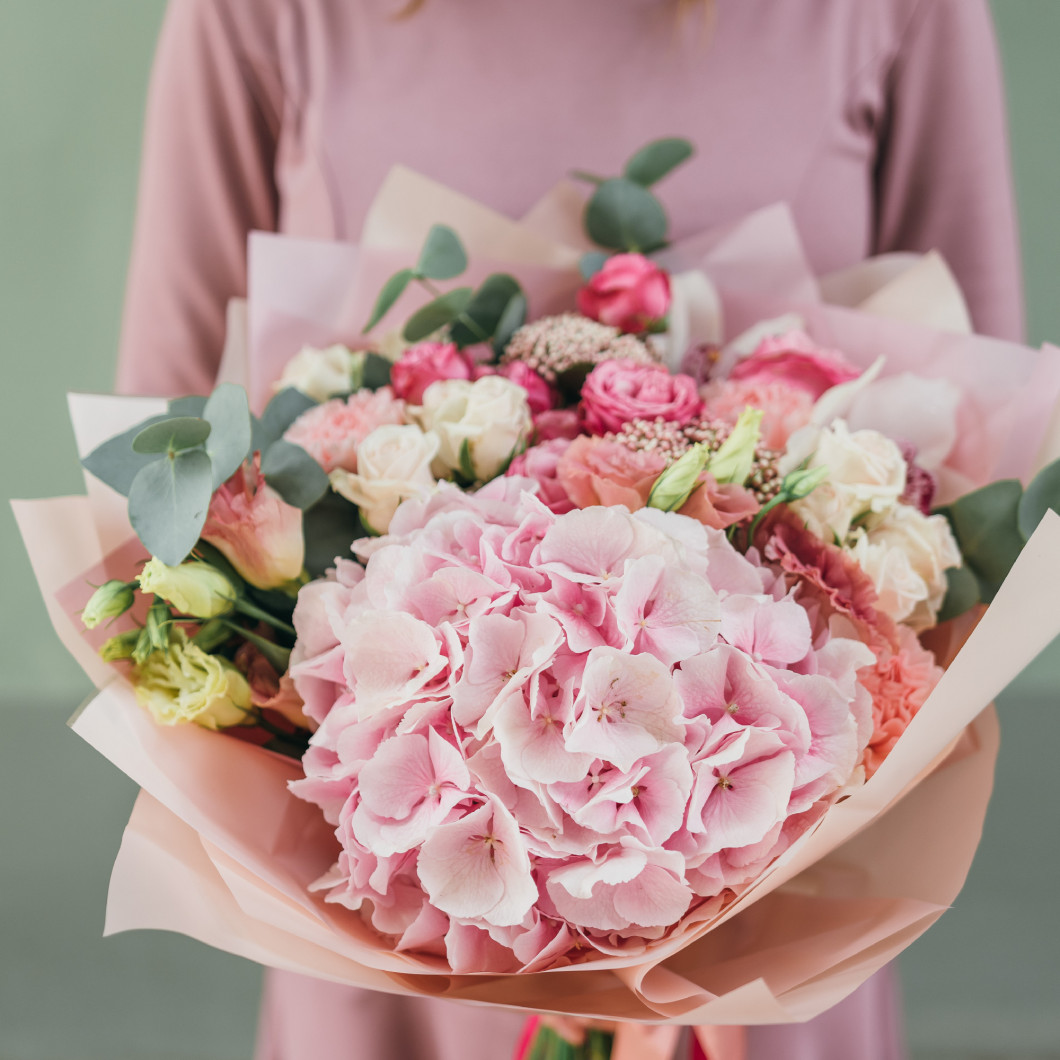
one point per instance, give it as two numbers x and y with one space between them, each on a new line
279 656
251 610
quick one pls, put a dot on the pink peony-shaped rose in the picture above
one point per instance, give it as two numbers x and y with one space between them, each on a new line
629 292
797 361
557 423
330 433
553 736
541 463
616 392
596 471
425 363
255 529
785 408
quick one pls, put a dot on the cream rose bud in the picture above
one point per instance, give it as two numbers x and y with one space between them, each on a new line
906 555
184 684
393 464
866 476
492 415
321 374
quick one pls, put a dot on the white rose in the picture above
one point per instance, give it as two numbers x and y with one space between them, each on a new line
393 464
866 476
490 415
320 374
906 556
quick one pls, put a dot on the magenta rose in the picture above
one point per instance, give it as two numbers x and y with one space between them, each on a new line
426 363
796 361
630 293
616 392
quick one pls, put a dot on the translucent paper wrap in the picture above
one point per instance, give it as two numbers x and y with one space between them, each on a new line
218 849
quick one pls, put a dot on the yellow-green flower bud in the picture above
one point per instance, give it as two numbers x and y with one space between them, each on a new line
184 684
194 588
802 482
120 647
675 485
111 599
734 460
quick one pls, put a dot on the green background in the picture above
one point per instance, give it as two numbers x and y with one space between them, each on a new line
984 981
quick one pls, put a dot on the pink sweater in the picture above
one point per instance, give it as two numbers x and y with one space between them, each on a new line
880 121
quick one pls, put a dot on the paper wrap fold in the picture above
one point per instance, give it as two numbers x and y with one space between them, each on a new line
217 848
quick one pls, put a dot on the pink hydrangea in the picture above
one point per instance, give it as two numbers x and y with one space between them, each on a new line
616 392
544 736
330 433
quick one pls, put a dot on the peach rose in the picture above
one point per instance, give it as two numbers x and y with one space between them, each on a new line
595 471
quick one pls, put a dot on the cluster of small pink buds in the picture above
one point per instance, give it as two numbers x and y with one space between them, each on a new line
558 344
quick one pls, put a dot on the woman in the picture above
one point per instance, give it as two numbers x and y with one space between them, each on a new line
881 123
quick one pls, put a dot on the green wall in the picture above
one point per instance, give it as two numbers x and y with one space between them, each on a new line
72 79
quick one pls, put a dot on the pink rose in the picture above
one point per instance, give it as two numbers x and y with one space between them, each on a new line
795 360
540 464
630 293
540 395
785 408
330 433
616 392
595 471
426 363
255 529
557 423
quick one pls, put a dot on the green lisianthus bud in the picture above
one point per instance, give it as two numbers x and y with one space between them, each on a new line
185 684
121 646
111 599
194 588
675 485
802 482
734 460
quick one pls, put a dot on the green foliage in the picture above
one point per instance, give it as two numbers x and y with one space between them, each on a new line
591 262
392 290
294 474
443 255
330 527
1042 494
171 435
375 371
115 462
962 593
190 405
168 502
279 414
483 313
623 215
655 160
436 314
228 444
511 320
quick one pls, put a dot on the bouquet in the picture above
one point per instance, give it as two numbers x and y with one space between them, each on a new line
583 660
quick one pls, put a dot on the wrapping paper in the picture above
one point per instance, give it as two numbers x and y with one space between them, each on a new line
218 849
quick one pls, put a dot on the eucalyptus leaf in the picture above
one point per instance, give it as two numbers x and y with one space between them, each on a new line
172 435
168 502
437 314
479 320
622 215
591 262
512 319
392 290
962 593
443 255
655 160
986 527
1042 494
279 414
228 415
330 527
116 463
190 405
375 372
294 474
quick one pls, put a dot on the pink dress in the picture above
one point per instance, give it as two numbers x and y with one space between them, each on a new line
880 122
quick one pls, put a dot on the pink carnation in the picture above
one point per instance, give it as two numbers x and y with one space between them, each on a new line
426 363
331 432
795 360
785 408
630 292
555 735
616 392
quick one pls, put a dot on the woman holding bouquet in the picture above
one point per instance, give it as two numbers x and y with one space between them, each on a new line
881 123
